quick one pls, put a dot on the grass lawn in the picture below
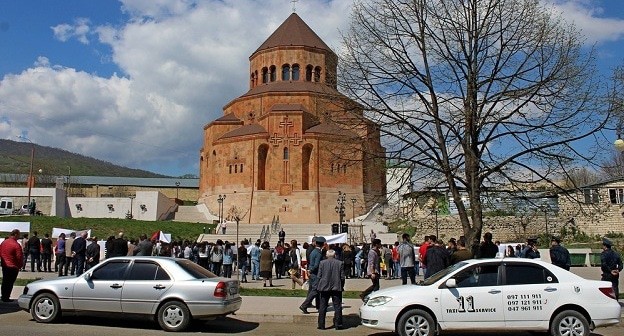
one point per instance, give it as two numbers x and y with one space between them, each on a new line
105 227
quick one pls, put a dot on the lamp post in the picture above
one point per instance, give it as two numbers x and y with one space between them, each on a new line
545 209
340 208
30 172
353 200
220 199
177 184
131 199
435 212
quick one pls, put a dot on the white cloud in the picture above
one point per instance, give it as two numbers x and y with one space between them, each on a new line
182 62
79 30
591 18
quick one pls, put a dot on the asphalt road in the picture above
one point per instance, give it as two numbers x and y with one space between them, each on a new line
15 322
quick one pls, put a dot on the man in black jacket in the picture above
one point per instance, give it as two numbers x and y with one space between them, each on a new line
93 253
119 246
559 255
79 250
34 249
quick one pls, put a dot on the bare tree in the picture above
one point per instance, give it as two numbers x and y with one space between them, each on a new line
613 167
473 94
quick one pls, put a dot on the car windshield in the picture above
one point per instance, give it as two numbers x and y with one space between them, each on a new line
195 270
434 278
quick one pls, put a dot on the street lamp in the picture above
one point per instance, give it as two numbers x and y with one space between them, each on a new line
353 200
545 209
177 184
30 173
340 208
220 199
435 212
129 216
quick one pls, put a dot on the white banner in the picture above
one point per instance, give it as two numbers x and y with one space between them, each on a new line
24 227
333 239
57 231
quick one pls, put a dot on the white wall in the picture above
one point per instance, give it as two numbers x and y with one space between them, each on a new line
155 204
53 197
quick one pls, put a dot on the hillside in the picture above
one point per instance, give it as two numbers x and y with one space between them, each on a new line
15 159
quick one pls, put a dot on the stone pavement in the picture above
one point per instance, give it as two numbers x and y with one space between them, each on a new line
286 309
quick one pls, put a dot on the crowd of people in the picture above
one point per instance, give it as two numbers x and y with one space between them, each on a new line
77 253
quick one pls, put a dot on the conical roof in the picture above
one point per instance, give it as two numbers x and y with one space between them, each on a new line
293 32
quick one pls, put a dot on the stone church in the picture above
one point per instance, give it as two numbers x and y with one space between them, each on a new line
287 147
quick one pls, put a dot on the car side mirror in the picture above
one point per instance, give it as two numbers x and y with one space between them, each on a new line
87 276
451 283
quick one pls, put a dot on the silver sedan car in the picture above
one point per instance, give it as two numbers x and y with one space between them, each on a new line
173 291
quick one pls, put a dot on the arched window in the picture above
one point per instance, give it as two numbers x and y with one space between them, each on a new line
265 75
309 69
263 151
252 80
285 72
295 72
286 153
256 78
317 74
305 167
272 73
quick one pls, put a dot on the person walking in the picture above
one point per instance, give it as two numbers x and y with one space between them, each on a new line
144 247
24 244
254 253
92 255
331 279
487 249
610 265
228 260
559 255
437 258
530 251
46 253
242 262
266 264
34 249
282 236
373 269
12 260
79 253
60 254
314 261
69 260
119 246
462 253
407 258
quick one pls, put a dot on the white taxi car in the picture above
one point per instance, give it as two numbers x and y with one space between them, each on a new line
495 294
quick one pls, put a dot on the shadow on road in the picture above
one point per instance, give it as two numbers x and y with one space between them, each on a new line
8 307
225 325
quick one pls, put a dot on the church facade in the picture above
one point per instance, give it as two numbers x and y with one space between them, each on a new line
291 144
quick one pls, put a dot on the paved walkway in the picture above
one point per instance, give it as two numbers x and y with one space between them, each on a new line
285 309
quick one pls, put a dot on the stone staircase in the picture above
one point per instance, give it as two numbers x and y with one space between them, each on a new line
300 232
190 213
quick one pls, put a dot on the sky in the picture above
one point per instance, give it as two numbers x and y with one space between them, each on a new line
133 82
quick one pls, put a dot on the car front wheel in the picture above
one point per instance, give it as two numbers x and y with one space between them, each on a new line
416 322
45 308
174 316
569 323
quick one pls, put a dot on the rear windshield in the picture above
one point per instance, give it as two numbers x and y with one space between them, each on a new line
195 270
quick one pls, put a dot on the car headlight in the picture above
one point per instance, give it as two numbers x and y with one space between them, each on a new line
378 301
